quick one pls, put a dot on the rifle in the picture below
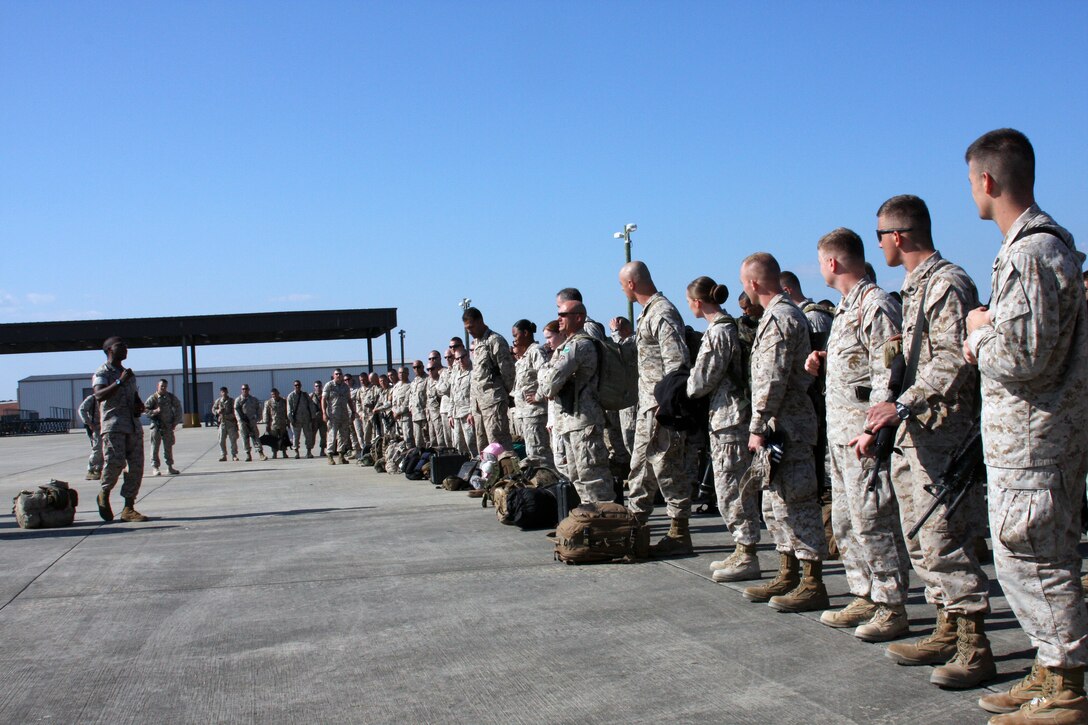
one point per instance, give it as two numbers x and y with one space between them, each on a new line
963 472
885 437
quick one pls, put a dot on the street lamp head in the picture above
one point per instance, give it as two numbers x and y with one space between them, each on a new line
618 235
630 227
465 303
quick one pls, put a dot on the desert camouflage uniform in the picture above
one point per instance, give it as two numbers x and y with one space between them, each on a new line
445 407
358 423
866 523
492 380
337 401
122 434
573 372
627 416
730 413
437 423
533 416
780 394
162 425
320 427
400 399
369 400
300 413
88 413
1034 366
657 460
228 424
943 401
417 406
248 412
464 432
275 415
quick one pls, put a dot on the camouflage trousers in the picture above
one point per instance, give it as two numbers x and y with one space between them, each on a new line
658 462
739 510
163 437
559 452
303 430
250 435
587 464
613 438
404 430
493 425
791 506
321 430
464 436
94 461
627 426
419 433
440 430
339 436
119 450
537 441
370 430
228 429
359 428
866 526
1035 522
943 554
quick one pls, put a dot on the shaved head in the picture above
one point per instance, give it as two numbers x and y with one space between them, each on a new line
763 268
636 272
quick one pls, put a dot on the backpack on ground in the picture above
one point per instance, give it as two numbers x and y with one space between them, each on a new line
598 533
420 469
446 464
529 507
453 483
498 495
411 459
53 505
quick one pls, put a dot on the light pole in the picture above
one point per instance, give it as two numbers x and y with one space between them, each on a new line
625 235
401 333
464 304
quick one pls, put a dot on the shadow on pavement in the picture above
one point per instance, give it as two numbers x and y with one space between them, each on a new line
260 514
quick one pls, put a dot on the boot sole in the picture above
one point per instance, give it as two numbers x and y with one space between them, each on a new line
996 709
948 683
795 610
743 577
886 637
907 662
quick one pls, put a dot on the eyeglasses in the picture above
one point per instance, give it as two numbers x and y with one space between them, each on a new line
569 314
881 232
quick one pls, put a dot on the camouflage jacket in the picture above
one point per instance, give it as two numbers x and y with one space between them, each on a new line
337 401
943 397
400 399
224 408
526 369
117 413
729 409
442 389
417 398
661 347
163 409
433 393
779 381
594 329
300 414
865 320
492 370
1034 357
461 392
88 413
275 413
575 365
247 409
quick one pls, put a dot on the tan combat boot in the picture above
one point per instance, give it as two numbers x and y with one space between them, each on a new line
104 508
859 611
262 455
889 622
1062 703
933 649
1021 693
741 565
332 460
675 543
973 662
785 581
809 596
91 476
129 512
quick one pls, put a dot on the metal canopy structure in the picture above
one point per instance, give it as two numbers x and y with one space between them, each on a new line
188 332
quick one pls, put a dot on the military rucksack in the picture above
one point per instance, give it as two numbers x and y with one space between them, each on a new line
599 533
617 374
53 505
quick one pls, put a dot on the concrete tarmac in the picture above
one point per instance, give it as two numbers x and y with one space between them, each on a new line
286 591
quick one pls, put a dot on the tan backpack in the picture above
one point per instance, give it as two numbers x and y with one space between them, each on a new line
599 533
51 506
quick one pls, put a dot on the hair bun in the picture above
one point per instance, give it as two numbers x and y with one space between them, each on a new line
719 294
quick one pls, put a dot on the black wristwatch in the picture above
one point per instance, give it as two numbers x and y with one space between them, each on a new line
902 410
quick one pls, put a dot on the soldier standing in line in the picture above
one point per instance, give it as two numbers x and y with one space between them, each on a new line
530 408
553 340
436 418
336 411
1031 348
417 405
657 460
718 372
275 420
571 380
248 411
935 413
119 410
300 413
783 410
321 428
371 427
353 440
445 382
402 414
164 410
865 522
359 395
624 334
223 410
493 378
88 413
464 425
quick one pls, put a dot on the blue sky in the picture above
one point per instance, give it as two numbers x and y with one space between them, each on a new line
210 157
